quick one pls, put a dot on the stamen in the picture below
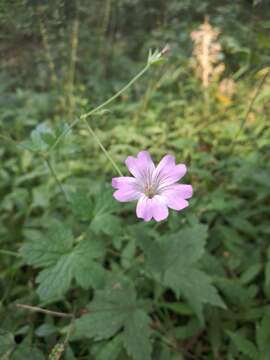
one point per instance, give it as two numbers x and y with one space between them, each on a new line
149 191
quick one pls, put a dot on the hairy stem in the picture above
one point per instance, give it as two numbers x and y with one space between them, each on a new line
56 178
92 133
107 102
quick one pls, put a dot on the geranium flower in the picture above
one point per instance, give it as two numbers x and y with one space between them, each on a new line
155 188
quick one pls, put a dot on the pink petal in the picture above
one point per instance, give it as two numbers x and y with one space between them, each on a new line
167 172
141 167
179 190
124 195
144 208
166 162
123 181
155 207
159 208
175 196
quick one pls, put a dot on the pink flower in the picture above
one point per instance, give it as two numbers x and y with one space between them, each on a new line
155 188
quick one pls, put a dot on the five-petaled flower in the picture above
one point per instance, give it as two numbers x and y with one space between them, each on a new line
155 188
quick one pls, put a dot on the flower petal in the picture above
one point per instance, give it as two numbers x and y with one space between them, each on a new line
144 208
175 196
123 181
141 167
167 172
165 163
126 194
179 190
159 208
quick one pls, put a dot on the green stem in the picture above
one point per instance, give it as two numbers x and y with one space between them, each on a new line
91 132
56 178
107 102
11 253
64 133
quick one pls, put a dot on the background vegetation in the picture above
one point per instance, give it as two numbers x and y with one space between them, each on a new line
99 283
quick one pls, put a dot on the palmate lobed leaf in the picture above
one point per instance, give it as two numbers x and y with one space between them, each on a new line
46 250
42 138
103 220
108 349
86 271
113 309
186 247
55 280
63 261
173 260
136 335
195 286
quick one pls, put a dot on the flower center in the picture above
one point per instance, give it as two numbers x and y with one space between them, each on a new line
149 191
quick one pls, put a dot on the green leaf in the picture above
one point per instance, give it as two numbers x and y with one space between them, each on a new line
187 246
87 272
251 273
81 205
46 250
244 345
109 349
113 309
263 337
24 352
7 343
106 223
63 262
136 335
128 254
103 220
42 137
194 285
56 280
173 261
45 330
234 291
107 313
78 264
267 271
178 308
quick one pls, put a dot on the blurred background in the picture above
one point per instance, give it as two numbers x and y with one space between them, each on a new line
207 103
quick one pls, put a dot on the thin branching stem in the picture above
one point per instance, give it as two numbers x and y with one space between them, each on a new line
64 133
91 132
8 252
55 177
94 111
115 96
99 107
44 311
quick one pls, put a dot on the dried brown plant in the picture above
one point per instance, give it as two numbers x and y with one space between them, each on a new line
207 53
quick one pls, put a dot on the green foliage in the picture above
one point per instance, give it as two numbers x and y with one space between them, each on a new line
112 309
7 343
173 259
64 261
100 283
43 138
